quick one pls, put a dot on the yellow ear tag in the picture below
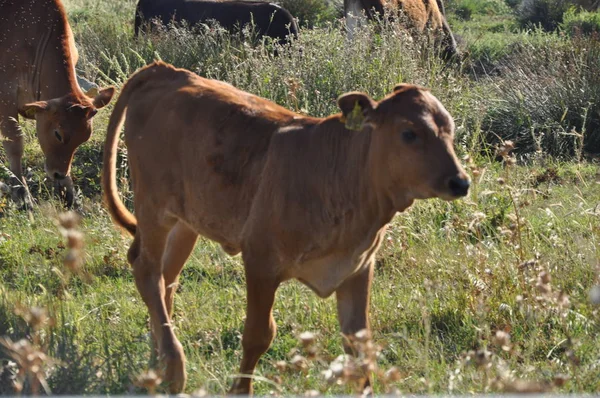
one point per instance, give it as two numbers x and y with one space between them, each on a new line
354 120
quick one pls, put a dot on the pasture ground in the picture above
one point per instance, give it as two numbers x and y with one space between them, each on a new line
519 255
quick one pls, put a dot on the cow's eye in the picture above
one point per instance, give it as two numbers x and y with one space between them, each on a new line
409 136
58 136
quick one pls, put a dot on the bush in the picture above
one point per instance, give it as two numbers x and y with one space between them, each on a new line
549 102
545 13
465 9
576 23
312 13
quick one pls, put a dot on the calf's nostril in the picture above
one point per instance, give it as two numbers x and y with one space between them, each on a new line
459 186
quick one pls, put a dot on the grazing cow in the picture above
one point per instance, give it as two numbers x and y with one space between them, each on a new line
421 14
268 19
300 197
37 81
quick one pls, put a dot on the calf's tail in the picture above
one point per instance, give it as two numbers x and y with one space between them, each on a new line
119 213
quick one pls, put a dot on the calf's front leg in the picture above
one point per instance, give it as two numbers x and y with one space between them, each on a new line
260 327
353 306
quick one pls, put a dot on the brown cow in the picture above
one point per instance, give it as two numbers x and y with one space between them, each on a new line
421 14
37 69
300 197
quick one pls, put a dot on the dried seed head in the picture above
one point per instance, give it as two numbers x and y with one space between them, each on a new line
37 317
544 289
73 260
199 393
307 339
148 380
281 366
563 300
502 340
74 239
526 386
362 335
337 369
544 277
560 380
393 374
68 220
543 283
298 362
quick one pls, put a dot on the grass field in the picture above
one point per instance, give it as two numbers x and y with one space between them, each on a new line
491 293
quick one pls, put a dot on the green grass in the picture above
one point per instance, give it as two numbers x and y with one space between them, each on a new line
448 276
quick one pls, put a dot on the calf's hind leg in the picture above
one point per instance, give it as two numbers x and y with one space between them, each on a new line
147 253
180 243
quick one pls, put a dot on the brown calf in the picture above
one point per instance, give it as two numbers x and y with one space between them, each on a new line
299 197
421 14
37 81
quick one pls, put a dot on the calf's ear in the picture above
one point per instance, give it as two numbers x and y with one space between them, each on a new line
103 97
30 110
357 108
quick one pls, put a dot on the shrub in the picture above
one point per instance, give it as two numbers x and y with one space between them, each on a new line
549 102
545 13
312 13
583 22
512 3
465 9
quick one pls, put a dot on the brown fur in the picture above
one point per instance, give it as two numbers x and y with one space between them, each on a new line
37 64
420 14
299 197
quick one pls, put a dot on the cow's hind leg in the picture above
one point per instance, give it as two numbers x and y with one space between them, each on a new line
353 306
260 327
147 253
180 243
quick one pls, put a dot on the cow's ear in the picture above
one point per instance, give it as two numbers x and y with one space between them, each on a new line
357 108
30 110
103 97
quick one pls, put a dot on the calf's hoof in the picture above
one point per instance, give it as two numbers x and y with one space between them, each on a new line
175 376
241 386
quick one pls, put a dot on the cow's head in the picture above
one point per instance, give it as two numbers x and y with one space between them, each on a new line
411 153
62 125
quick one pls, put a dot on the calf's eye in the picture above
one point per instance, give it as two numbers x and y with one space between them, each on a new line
58 136
409 136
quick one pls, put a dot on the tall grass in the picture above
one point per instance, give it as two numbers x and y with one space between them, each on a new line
549 103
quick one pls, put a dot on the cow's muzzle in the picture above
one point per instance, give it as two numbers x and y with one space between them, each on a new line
458 186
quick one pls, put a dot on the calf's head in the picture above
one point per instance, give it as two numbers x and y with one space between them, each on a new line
411 147
62 125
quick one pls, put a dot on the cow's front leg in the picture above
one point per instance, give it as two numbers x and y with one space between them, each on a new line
353 306
260 327
12 141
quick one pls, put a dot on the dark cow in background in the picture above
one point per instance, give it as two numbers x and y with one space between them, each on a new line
37 81
421 14
268 19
